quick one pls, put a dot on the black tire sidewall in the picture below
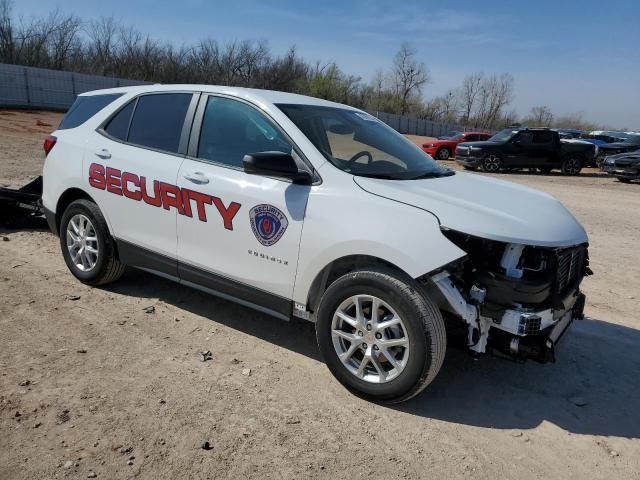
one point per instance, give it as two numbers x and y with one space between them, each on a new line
104 240
419 356
443 149
566 161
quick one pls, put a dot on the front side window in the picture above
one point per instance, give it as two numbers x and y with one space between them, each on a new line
232 129
360 144
158 119
84 108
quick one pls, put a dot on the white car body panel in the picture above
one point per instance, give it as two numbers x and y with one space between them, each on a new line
237 254
487 208
153 228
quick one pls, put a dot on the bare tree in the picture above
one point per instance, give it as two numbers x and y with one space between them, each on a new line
468 95
541 116
409 75
7 40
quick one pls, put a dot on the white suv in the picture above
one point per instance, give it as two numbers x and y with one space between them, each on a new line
301 207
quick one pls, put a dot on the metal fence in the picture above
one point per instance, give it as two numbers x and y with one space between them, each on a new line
418 126
41 88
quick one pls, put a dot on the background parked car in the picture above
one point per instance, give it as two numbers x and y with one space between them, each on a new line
630 144
443 149
449 135
624 166
539 148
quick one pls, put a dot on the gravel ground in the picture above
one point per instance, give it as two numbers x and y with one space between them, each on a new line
92 384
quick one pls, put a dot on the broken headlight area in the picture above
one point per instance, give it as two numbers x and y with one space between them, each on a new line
514 298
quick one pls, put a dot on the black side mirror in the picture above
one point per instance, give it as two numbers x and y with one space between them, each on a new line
276 164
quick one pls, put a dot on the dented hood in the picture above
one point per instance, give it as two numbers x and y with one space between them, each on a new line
485 207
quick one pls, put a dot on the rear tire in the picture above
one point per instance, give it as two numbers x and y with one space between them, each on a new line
420 331
88 249
571 166
624 180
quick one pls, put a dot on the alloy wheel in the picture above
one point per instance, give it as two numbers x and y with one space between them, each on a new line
491 163
370 338
82 242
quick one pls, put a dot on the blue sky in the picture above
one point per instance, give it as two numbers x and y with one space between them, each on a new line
575 56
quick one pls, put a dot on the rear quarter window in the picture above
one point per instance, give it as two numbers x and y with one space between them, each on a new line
84 108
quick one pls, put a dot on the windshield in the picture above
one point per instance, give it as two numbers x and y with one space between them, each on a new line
503 135
360 144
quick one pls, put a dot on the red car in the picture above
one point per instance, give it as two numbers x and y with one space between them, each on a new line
445 148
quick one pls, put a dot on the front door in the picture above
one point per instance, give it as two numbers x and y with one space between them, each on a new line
242 232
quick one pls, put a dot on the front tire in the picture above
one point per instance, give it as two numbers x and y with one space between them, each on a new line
87 248
571 166
380 336
491 163
443 154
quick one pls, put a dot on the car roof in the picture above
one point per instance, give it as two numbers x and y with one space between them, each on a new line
477 133
252 94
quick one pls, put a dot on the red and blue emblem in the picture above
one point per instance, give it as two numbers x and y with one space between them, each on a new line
268 223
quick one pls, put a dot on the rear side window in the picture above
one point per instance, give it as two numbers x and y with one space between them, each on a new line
118 126
158 119
84 108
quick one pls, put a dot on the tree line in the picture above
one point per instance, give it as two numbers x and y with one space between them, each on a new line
105 47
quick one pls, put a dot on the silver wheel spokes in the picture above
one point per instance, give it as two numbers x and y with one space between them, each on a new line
370 339
82 242
492 163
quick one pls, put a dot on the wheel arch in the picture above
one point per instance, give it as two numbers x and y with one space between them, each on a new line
70 195
341 266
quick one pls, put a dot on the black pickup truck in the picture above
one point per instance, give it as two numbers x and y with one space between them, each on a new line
515 148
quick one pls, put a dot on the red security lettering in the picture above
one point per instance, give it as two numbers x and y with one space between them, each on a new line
165 195
227 213
171 197
113 181
156 201
201 199
96 176
135 181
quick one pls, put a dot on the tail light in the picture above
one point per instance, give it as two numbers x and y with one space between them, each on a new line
49 142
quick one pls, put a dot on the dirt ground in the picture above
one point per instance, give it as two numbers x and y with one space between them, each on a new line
92 384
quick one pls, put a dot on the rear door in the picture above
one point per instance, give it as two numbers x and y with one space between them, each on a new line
132 165
240 234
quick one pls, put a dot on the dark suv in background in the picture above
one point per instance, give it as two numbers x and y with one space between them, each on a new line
515 148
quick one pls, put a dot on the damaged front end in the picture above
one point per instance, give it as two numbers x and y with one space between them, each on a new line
515 299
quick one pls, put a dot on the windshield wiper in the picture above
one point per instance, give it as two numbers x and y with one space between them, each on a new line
445 173
382 176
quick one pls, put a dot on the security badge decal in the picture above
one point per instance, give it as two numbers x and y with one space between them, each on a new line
268 223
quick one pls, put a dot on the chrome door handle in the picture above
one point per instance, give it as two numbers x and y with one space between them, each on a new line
104 153
196 177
